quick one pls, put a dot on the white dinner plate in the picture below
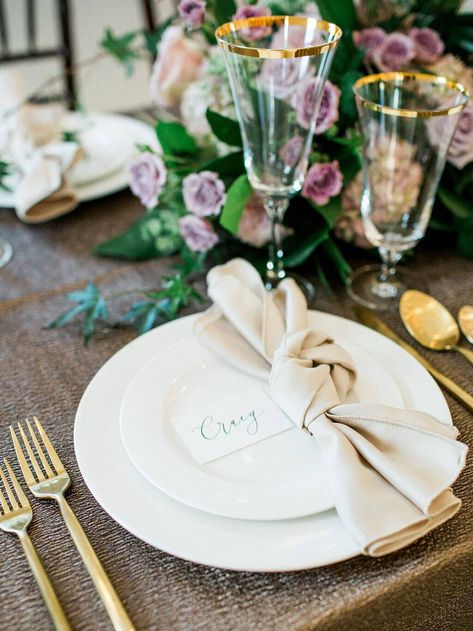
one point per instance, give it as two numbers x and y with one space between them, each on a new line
123 133
236 544
279 477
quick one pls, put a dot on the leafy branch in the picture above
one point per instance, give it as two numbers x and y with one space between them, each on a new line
155 305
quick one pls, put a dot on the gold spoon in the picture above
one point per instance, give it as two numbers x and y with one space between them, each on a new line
465 318
430 323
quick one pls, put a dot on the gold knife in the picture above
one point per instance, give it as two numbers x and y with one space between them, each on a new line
368 318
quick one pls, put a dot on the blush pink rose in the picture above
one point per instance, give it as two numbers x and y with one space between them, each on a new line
178 63
148 175
292 152
204 193
254 32
328 109
428 45
323 181
395 53
255 226
460 152
198 233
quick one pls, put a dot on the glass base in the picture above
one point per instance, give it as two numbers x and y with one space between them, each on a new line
366 287
304 285
6 252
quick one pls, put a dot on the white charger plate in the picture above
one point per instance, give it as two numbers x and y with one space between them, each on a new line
235 544
127 133
279 477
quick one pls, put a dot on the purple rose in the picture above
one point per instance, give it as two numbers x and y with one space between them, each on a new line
427 43
369 39
395 53
147 177
306 100
328 109
204 193
460 152
192 12
253 33
323 181
198 233
291 152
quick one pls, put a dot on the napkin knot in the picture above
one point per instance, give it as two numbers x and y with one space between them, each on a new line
309 375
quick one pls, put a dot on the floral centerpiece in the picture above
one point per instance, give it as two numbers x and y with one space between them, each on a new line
195 191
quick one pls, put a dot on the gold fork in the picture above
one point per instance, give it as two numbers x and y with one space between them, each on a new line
15 516
52 484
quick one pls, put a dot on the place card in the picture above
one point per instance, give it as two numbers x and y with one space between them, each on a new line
229 423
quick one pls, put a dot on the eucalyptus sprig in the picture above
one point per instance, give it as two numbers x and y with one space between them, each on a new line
155 305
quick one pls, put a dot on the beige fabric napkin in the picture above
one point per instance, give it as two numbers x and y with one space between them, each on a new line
389 470
43 192
31 137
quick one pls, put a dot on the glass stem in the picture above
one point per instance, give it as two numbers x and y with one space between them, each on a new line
275 272
389 258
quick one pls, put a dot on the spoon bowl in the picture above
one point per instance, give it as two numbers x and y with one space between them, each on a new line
430 323
465 318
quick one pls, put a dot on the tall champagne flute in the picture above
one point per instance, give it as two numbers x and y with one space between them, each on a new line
407 121
277 68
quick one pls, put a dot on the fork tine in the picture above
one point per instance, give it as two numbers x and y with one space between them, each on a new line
49 472
6 484
49 448
25 469
16 485
3 503
31 455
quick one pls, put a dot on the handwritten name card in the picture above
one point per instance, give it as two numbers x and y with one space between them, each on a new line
227 424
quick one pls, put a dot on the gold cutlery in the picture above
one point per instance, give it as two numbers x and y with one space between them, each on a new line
465 319
15 516
430 323
370 319
51 482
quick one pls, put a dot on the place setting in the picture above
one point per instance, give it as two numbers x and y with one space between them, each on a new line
283 404
216 433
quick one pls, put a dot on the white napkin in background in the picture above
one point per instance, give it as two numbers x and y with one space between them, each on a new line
31 139
389 470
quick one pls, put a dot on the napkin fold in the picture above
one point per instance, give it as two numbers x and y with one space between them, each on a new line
32 139
389 470
44 192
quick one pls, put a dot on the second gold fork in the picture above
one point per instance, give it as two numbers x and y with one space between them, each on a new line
52 484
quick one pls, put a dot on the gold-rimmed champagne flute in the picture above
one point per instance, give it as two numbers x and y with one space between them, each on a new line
407 121
277 66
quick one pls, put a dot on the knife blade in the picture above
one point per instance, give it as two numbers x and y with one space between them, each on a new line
368 318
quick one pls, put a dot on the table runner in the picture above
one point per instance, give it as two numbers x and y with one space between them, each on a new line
428 585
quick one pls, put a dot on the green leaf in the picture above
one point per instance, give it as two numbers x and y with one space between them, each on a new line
152 38
306 247
225 129
458 206
226 166
143 314
155 234
330 211
338 261
90 303
237 196
340 12
347 99
120 48
175 139
223 10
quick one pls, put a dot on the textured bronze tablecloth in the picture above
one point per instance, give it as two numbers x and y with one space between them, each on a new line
426 586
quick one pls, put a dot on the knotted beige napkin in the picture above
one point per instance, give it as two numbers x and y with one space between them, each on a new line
389 470
32 139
